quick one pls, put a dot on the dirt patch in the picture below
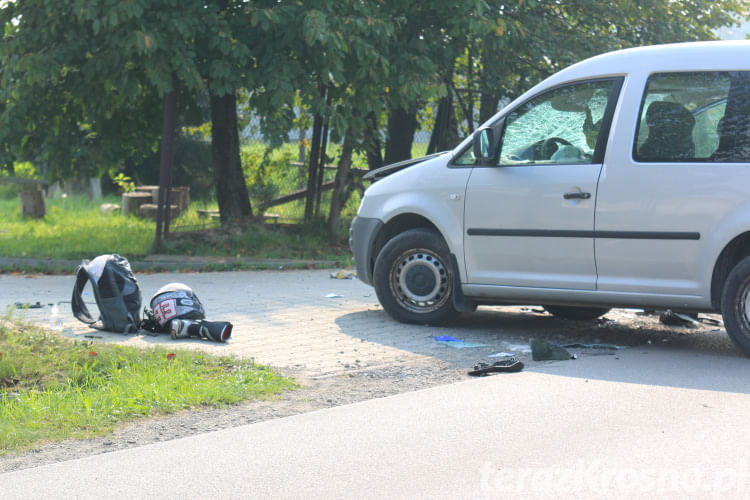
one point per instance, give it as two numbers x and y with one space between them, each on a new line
314 395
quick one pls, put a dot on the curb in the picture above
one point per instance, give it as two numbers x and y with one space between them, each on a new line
158 263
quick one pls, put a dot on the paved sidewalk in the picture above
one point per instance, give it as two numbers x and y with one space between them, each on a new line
300 320
280 317
306 322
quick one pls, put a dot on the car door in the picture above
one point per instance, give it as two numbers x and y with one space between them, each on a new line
675 181
529 220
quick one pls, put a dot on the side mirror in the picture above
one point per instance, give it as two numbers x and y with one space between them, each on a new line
484 145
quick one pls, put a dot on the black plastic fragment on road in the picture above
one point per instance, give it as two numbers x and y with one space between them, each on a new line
507 365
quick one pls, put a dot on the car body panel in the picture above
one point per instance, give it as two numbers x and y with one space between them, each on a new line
493 259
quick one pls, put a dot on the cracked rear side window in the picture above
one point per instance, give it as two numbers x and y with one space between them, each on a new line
695 117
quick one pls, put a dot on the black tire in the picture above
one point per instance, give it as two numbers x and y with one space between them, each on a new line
735 305
577 313
413 278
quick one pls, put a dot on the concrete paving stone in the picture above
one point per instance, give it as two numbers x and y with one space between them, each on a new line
284 319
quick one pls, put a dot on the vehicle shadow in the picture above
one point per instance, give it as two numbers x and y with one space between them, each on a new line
696 357
87 334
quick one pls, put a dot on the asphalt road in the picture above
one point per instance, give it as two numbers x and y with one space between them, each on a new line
635 427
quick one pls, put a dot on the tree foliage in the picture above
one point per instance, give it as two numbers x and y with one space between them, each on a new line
82 81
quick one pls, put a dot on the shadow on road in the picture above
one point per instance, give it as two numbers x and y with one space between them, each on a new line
700 357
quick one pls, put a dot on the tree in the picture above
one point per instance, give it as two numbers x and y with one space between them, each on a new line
422 55
534 39
47 90
83 81
328 58
352 62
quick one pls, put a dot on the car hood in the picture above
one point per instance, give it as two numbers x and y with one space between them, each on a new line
381 172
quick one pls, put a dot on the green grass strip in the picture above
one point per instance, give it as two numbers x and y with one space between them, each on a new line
72 229
52 388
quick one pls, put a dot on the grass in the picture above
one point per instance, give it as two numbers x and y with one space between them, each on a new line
72 229
262 242
75 229
53 388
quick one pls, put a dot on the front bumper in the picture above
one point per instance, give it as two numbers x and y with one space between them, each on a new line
362 234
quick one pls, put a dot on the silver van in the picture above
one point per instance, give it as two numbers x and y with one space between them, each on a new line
623 180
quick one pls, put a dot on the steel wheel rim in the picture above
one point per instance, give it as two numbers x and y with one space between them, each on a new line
744 306
420 281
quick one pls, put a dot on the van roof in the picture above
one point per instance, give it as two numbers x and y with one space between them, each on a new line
697 56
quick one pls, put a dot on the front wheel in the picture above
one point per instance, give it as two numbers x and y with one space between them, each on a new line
735 305
413 278
578 313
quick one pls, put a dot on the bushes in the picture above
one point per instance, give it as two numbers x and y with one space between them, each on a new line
270 173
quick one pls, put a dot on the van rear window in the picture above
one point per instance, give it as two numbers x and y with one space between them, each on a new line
695 117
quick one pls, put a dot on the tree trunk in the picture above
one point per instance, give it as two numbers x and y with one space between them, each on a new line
95 183
301 148
179 196
342 187
152 190
322 162
231 189
312 173
150 211
131 202
402 124
489 79
373 147
487 106
317 157
444 134
33 203
466 107
166 161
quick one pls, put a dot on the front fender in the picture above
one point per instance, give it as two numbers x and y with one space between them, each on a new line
431 191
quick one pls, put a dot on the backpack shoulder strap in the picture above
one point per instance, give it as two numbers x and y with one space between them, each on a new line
80 310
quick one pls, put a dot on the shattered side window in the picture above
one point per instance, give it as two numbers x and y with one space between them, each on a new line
558 127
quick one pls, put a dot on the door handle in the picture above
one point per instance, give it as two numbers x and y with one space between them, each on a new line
577 195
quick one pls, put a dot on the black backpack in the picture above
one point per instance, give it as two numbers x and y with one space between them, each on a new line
116 290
